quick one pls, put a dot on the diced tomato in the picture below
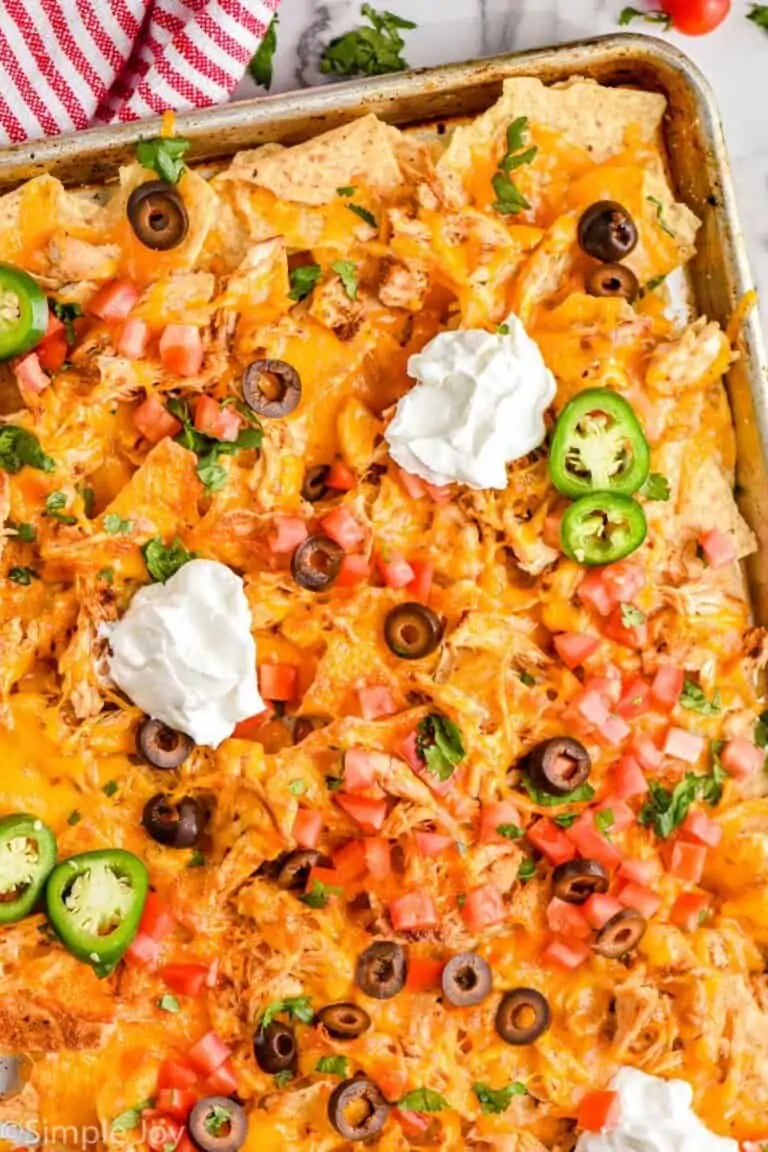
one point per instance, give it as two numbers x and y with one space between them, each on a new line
599 1110
567 954
378 857
414 485
52 351
742 759
608 685
278 681
162 1132
614 730
639 871
54 325
702 828
493 816
413 911
154 421
30 375
433 843
622 814
133 339
177 1102
423 972
214 420
573 648
342 526
353 570
341 477
629 778
667 686
181 349
635 699
591 844
287 533
250 729
208 1054
483 908
599 909
412 1123
307 826
690 909
592 707
628 634
648 756
642 899
328 877
144 952
551 841
186 979
719 548
175 1074
359 769
369 813
623 580
350 861
114 301
395 570
376 701
595 592
683 745
551 532
687 861
423 573
157 920
567 919
222 1082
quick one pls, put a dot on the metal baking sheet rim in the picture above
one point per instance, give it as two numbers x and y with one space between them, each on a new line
695 144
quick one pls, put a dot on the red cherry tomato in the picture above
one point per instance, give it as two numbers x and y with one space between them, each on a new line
696 17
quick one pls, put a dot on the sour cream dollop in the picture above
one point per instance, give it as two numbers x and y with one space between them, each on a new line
184 653
656 1116
478 404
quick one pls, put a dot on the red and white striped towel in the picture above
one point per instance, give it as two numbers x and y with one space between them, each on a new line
65 64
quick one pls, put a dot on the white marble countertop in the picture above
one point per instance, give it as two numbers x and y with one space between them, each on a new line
734 58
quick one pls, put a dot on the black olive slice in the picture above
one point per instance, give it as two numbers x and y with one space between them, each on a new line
271 388
558 766
614 281
316 562
161 746
522 1016
296 867
607 231
175 823
344 1021
577 880
303 726
217 1124
466 980
381 970
157 215
412 630
275 1047
357 1109
620 934
314 487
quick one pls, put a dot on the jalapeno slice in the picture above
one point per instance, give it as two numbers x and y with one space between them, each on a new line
598 445
23 312
27 857
95 902
602 528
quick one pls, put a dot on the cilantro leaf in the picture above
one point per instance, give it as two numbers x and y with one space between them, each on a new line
579 795
196 859
106 574
496 1100
759 15
509 199
164 560
208 450
631 617
131 1118
320 894
23 576
303 280
346 190
566 820
67 313
115 525
527 870
260 66
346 270
368 51
439 745
54 502
297 1007
217 1119
604 820
694 699
74 818
504 330
334 1065
761 730
283 1078
25 532
169 1003
651 286
660 216
510 831
422 1100
297 787
656 487
527 679
110 788
656 16
19 447
163 155
363 213
210 473
665 811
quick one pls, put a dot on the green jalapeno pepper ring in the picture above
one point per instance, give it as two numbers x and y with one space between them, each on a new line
598 445
602 528
27 857
94 902
23 312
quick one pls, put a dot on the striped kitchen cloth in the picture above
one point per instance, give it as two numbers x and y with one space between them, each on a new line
65 64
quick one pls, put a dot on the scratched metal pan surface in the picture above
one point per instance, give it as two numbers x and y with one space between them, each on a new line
696 149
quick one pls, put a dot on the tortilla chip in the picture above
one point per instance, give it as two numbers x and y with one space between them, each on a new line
32 213
707 501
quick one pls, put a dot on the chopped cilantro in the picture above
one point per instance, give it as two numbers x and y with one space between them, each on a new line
368 51
439 745
566 819
217 1119
497 1100
110 788
115 525
19 447
422 1100
759 15
656 487
510 831
346 190
579 795
363 213
283 1078
169 1003
163 155
164 561
694 699
54 502
208 449
23 576
67 313
334 1065
303 280
654 283
26 532
761 730
631 617
346 270
509 199
196 859
320 894
527 679
297 787
261 64
527 870
503 329
74 818
666 811
604 820
297 1007
131 1118
655 16
106 574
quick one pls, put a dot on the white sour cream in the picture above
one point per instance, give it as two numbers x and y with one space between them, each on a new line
478 404
184 653
656 1116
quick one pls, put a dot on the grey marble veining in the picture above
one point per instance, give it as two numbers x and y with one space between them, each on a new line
735 59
